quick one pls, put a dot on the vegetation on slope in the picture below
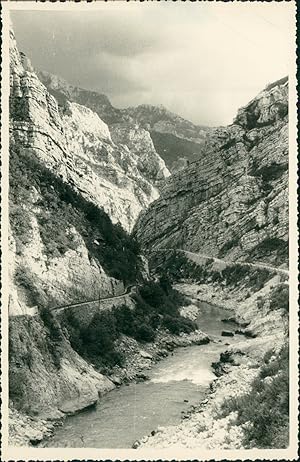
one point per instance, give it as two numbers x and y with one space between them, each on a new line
274 250
156 306
264 411
31 340
59 208
177 266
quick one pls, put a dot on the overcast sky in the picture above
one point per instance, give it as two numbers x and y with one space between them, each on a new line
201 60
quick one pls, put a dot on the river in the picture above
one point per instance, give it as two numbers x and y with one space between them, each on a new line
128 413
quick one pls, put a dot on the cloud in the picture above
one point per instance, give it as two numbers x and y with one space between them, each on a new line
200 60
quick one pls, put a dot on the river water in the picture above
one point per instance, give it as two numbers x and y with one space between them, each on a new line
128 413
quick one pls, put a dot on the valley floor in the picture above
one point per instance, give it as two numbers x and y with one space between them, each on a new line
208 426
27 430
205 425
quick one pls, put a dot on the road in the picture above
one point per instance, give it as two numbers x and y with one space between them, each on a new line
193 256
86 302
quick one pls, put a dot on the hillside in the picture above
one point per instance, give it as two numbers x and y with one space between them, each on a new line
90 197
76 188
177 140
77 145
233 202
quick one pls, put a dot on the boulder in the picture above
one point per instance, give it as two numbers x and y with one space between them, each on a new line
145 354
227 333
116 380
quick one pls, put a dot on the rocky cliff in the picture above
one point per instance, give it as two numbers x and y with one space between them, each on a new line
74 142
65 164
70 187
175 139
233 202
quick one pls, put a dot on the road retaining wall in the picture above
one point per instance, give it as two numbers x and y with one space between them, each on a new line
84 313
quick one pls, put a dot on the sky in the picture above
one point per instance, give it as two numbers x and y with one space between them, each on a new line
202 60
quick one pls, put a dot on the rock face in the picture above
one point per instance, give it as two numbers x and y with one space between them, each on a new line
50 254
176 140
74 142
48 380
233 202
71 186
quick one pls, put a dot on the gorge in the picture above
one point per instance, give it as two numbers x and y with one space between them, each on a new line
168 242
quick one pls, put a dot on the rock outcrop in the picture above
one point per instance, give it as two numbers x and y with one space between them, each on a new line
65 174
76 144
176 139
233 202
47 377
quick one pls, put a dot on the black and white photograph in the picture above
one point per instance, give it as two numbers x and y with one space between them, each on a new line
149 239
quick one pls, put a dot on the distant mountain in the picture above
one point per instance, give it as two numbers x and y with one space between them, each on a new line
177 140
160 119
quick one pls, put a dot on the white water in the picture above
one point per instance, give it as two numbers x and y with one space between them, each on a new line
130 412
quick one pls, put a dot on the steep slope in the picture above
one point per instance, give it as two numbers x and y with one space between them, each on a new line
233 202
64 170
175 139
63 167
74 142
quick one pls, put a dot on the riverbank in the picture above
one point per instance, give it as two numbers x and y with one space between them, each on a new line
25 430
239 364
208 426
141 357
174 385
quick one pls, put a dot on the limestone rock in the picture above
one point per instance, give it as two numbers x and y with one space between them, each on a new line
45 378
233 202
73 141
176 140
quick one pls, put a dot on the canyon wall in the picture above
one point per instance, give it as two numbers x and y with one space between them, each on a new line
76 144
74 195
176 140
60 153
233 202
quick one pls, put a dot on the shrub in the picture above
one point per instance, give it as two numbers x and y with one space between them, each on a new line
152 293
145 333
228 245
165 283
265 408
61 208
98 340
51 323
73 329
271 249
55 337
179 324
125 321
280 298
272 172
24 278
